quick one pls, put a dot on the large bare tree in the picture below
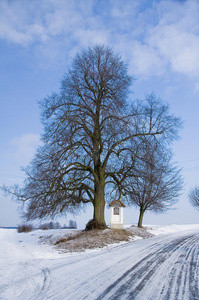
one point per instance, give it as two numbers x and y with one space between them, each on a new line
91 133
157 182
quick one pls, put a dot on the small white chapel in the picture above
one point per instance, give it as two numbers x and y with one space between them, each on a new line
117 214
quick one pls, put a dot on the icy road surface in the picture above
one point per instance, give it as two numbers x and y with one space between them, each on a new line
162 267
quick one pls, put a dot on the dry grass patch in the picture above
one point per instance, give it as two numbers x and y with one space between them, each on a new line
92 239
77 241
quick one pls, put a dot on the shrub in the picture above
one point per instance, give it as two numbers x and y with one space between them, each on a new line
25 228
94 224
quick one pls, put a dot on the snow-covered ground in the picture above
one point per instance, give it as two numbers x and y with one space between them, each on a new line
163 267
156 230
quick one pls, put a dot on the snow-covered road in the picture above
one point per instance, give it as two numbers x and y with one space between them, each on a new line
162 267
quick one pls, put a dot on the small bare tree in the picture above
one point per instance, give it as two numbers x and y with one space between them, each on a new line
91 133
194 197
157 182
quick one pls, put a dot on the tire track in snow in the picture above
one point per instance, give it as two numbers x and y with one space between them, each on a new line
183 283
179 261
164 267
46 283
27 284
88 282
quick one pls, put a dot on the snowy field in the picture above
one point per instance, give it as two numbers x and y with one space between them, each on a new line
165 266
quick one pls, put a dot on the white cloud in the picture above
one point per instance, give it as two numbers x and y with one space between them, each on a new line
165 39
145 61
175 38
13 22
26 22
156 39
23 148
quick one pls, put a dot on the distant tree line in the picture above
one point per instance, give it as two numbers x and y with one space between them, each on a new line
49 225
52 225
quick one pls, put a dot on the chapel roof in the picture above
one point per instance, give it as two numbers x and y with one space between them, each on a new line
117 203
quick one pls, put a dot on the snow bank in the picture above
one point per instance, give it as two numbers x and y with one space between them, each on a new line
157 230
31 269
23 246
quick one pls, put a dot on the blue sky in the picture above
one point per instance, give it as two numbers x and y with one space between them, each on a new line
158 39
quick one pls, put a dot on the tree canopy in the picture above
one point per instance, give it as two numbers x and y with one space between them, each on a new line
194 197
157 182
92 137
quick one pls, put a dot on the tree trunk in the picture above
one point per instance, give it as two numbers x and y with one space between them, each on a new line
99 204
99 199
141 217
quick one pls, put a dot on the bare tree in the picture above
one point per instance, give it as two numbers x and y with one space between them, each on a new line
157 183
194 197
91 133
